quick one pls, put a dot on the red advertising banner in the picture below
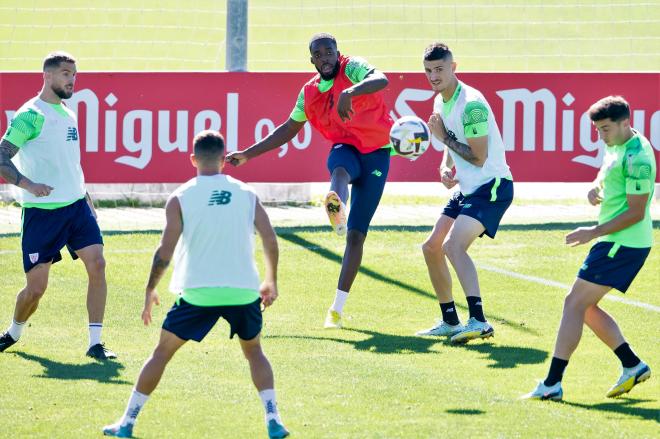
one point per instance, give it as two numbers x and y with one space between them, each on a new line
137 127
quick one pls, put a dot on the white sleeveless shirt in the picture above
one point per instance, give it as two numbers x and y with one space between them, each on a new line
470 176
216 248
53 157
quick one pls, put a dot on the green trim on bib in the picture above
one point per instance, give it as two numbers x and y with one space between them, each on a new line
60 109
219 296
448 106
51 206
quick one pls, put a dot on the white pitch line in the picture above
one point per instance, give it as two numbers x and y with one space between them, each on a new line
552 283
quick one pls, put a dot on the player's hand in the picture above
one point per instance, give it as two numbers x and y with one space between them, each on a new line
39 189
236 158
150 299
268 293
581 235
345 106
437 127
594 196
447 177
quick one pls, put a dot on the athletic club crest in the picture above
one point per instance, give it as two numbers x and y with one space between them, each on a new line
34 257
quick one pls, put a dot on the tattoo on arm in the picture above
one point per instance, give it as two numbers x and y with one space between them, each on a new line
461 149
8 170
158 267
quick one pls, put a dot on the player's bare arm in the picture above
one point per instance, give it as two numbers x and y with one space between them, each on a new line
447 175
475 151
278 137
633 215
7 169
163 255
10 174
268 288
374 81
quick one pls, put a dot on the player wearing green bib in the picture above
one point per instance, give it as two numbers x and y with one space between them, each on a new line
40 156
624 189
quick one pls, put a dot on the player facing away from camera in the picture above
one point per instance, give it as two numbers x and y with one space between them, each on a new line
624 189
473 159
211 220
343 102
42 139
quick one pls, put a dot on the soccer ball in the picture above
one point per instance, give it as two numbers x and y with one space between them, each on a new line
410 136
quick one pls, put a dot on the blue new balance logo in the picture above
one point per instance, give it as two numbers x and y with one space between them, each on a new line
219 198
71 134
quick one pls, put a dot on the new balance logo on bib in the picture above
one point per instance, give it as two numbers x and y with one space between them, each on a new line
71 134
220 198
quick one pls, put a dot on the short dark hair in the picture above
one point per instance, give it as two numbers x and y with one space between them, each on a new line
54 59
610 107
436 51
322 36
208 145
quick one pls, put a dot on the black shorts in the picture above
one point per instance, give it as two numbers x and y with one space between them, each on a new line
46 231
487 204
613 267
192 322
368 173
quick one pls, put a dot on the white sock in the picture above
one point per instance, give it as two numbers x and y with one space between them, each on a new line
270 405
16 329
340 300
95 333
135 404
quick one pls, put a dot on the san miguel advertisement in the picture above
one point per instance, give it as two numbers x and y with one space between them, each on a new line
137 127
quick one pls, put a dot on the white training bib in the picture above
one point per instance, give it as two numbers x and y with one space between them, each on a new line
53 157
469 176
216 248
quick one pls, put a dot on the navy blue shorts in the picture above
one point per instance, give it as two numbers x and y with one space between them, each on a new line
613 267
45 232
487 204
191 322
368 173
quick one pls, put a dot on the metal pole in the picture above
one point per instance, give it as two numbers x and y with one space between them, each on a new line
237 14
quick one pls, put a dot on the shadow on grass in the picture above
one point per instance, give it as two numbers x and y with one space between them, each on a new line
504 357
103 372
378 343
390 281
464 412
624 406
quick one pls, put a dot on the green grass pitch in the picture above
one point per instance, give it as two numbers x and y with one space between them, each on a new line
374 379
485 35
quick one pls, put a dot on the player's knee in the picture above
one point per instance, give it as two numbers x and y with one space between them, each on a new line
35 291
355 238
452 248
574 302
162 354
432 248
252 352
96 266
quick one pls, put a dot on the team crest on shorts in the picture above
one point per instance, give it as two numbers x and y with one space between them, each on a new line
34 257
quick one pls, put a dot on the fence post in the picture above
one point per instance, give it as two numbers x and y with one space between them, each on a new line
236 59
